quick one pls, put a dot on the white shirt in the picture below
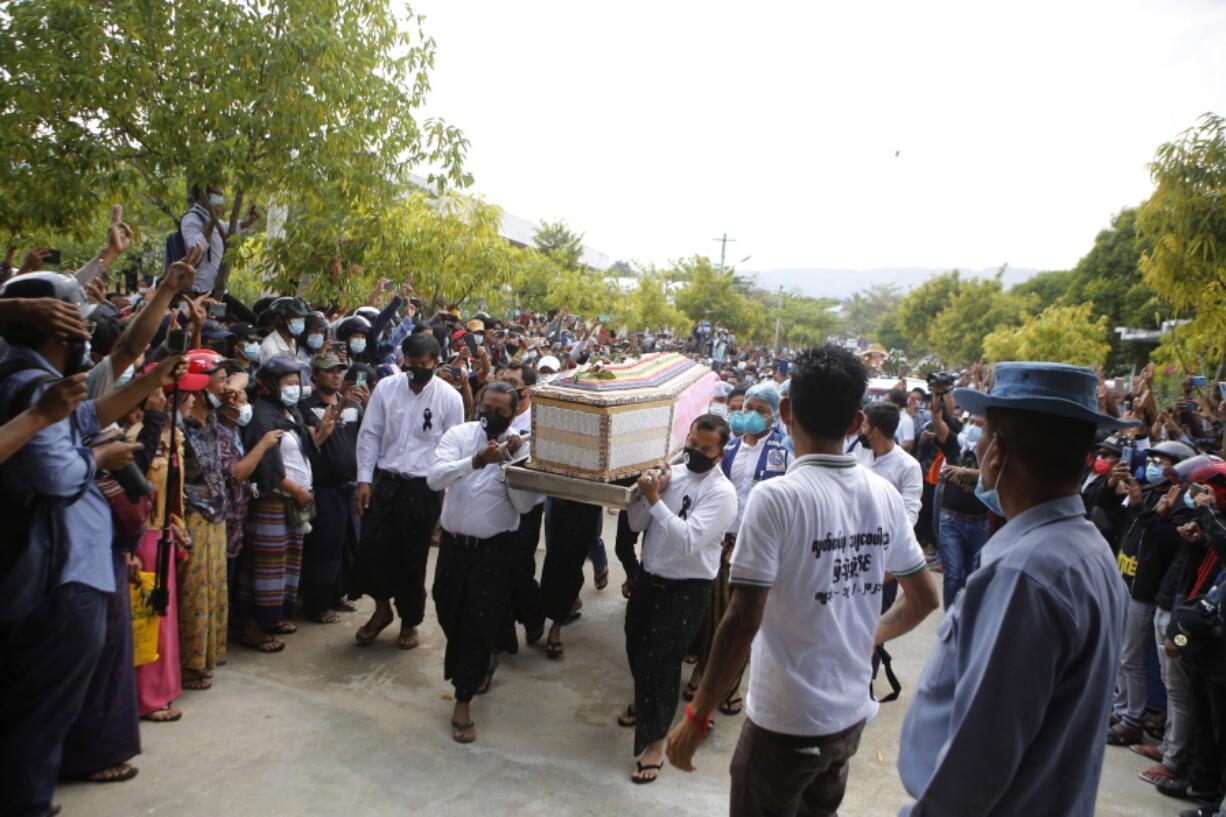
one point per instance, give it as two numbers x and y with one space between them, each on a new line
689 548
274 345
905 432
821 538
901 470
744 465
297 468
478 502
521 424
394 434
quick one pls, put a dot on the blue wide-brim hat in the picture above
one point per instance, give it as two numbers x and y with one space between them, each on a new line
1048 388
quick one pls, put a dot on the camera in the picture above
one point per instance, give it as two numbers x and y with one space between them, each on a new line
217 312
177 341
129 477
941 382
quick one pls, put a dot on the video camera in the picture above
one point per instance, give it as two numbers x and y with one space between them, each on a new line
940 383
130 478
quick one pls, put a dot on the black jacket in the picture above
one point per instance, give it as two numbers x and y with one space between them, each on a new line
268 414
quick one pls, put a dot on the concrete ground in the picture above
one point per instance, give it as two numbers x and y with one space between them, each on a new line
327 728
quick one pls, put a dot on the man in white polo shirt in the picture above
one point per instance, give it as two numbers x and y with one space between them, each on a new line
879 453
807 576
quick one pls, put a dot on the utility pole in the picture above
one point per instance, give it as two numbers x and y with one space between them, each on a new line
778 318
723 248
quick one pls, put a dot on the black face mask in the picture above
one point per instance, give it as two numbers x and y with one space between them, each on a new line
420 375
864 441
697 461
494 423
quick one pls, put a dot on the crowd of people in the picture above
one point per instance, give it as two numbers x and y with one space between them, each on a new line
241 470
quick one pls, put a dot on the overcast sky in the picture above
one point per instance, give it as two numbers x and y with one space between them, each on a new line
653 127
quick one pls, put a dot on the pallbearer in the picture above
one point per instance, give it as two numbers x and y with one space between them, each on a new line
685 511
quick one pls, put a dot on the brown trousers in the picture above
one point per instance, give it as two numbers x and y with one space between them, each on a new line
776 775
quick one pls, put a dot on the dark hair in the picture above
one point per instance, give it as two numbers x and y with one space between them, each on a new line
897 396
1053 449
883 416
828 383
713 422
420 346
502 387
525 372
739 391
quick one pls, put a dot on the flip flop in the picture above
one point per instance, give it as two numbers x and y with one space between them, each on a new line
1157 774
732 706
628 718
407 641
126 774
640 768
458 729
282 628
554 650
371 635
327 617
173 715
268 646
690 692
602 579
495 660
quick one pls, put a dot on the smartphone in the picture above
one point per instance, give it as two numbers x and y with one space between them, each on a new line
176 341
388 286
361 379
217 311
1198 381
603 319
52 257
1196 489
416 302
456 372
1221 391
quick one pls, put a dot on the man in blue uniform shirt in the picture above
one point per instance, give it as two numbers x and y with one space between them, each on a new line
1009 715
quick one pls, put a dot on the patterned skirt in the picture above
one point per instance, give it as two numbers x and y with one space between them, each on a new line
269 564
204 605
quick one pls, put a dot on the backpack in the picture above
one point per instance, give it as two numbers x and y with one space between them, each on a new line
176 247
27 573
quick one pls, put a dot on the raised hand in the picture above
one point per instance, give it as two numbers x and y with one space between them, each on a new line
118 234
64 318
182 273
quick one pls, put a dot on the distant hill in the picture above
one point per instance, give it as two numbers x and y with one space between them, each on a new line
842 283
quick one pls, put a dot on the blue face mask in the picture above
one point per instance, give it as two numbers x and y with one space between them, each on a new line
989 497
973 434
297 326
747 422
290 395
1189 500
787 443
251 351
1155 474
315 341
357 345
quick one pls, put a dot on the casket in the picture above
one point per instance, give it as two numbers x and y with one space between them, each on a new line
608 423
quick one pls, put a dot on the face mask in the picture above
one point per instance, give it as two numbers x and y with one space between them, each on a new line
315 341
297 326
697 461
244 414
290 395
718 409
126 377
973 434
1189 500
216 199
479 338
214 400
1102 467
251 351
751 422
990 498
357 345
787 443
864 441
420 375
494 423
1155 474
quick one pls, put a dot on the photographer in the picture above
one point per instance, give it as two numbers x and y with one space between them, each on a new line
963 520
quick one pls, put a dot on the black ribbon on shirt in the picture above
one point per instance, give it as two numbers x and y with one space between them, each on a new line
685 507
426 424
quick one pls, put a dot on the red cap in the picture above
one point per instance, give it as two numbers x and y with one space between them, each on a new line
200 364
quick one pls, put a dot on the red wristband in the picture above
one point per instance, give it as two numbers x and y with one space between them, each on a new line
705 726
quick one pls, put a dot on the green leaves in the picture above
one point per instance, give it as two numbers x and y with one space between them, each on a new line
1060 334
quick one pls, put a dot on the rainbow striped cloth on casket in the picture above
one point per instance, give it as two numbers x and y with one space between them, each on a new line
646 372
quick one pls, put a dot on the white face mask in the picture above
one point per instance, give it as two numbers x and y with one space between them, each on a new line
719 409
290 395
216 199
357 345
296 326
244 414
214 400
251 351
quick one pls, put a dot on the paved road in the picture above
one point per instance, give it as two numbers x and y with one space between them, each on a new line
326 728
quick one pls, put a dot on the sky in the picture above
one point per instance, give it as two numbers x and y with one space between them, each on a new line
819 134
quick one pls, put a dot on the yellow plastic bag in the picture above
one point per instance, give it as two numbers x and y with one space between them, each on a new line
145 623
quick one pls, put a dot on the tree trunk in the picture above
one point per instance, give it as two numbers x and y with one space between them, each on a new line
223 270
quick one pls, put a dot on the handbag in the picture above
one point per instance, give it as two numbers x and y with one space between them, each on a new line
146 624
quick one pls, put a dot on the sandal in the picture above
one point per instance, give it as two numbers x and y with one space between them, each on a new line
267 646
554 650
691 659
196 682
690 691
1157 774
495 660
640 768
115 774
1147 750
533 634
366 635
628 718
327 617
602 579
282 628
732 706
167 714
345 606
458 729
408 639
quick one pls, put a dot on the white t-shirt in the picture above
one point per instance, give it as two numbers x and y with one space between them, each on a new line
901 470
822 538
905 432
297 467
744 464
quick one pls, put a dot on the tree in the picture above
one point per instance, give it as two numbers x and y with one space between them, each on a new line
1185 222
865 310
555 238
977 309
647 306
271 98
711 294
1046 287
1059 334
917 311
